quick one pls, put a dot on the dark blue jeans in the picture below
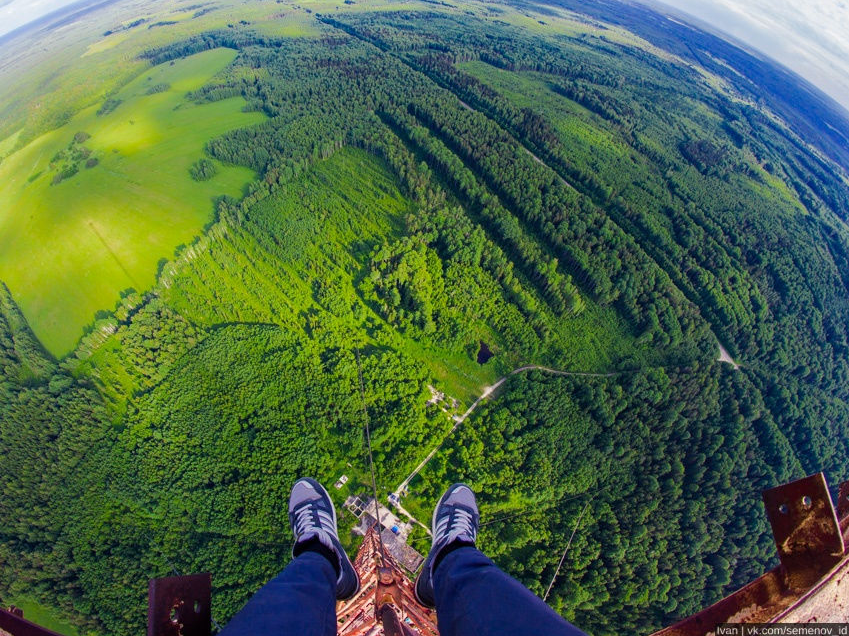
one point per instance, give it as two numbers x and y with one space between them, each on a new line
473 598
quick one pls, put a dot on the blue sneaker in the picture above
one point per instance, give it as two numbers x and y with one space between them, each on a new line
312 516
455 518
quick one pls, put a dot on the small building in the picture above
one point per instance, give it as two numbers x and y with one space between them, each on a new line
393 531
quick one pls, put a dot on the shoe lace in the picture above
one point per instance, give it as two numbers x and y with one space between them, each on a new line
306 520
463 524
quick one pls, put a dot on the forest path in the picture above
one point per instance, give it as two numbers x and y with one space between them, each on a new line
724 356
395 497
400 491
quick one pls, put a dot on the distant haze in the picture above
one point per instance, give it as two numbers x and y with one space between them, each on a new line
17 13
810 37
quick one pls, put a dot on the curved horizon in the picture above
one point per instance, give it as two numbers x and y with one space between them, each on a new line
807 39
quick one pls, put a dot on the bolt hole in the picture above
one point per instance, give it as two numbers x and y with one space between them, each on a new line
783 509
806 501
197 607
174 617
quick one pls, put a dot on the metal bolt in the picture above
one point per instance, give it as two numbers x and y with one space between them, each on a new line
783 509
806 501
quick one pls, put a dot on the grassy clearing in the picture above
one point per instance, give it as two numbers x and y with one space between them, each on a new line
589 138
290 24
324 224
599 340
42 615
106 43
66 250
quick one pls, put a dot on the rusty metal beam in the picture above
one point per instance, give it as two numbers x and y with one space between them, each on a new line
179 606
806 586
805 528
826 602
12 621
843 501
392 625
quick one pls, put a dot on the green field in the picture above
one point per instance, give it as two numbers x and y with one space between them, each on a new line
67 250
42 615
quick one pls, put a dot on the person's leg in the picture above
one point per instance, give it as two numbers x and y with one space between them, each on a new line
475 598
471 595
300 600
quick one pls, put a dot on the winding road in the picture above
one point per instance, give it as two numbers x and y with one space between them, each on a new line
400 491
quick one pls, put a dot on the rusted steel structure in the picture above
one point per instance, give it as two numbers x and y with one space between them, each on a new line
386 603
179 605
811 584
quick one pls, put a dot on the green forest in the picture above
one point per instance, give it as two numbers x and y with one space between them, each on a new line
429 179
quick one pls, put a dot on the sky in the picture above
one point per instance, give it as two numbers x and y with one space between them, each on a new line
16 13
809 36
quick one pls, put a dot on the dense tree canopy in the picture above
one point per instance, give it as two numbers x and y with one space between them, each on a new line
428 180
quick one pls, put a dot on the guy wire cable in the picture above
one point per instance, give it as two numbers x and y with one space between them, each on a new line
370 456
563 558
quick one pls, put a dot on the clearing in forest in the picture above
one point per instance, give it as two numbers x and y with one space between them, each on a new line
88 210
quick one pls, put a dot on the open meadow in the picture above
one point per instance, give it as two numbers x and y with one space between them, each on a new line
104 229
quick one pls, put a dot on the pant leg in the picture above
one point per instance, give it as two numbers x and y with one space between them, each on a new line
300 601
475 598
